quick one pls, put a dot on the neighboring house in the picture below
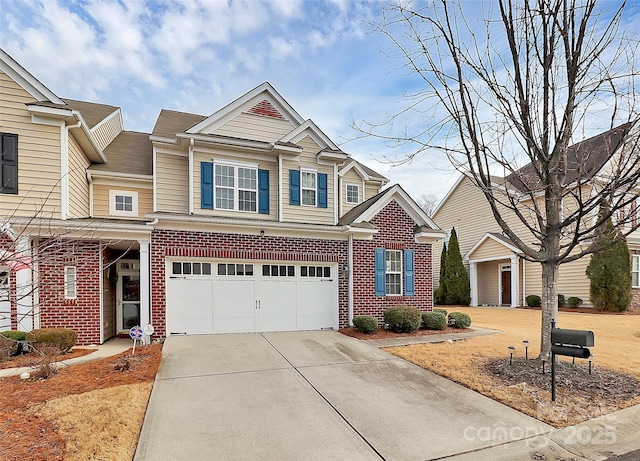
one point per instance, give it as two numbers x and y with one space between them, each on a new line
250 219
498 273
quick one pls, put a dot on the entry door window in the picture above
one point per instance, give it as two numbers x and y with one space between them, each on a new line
130 301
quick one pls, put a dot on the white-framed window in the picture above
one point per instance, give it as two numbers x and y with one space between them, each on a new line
123 203
315 271
308 187
235 269
278 270
236 187
635 271
353 195
393 272
70 285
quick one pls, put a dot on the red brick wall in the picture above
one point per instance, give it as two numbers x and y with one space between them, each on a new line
83 313
215 245
396 232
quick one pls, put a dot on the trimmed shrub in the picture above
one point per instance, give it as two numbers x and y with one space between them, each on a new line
6 348
365 324
533 301
461 319
403 319
14 334
442 311
62 338
561 300
434 320
574 301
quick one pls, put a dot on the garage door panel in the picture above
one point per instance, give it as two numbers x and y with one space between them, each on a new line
189 306
278 305
317 304
234 306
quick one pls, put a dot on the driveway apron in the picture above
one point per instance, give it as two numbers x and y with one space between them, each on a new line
311 395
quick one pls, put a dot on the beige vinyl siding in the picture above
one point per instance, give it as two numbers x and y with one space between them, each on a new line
371 188
572 280
101 199
78 184
172 186
107 131
271 166
255 127
490 249
38 155
351 178
302 213
488 282
467 209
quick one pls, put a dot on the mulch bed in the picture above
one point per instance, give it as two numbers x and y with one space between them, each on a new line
601 384
381 333
24 436
33 359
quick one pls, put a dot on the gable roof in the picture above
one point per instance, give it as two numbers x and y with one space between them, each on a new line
130 152
92 113
368 209
171 122
496 237
27 81
311 129
584 159
364 171
253 100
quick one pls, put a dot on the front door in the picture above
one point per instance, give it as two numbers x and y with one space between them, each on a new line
128 299
505 277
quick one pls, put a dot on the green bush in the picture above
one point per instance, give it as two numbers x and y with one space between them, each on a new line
561 300
461 319
62 338
574 301
14 334
533 301
434 320
6 348
403 319
442 311
365 324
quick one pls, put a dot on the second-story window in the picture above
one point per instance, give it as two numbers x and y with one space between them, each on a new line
308 188
8 163
352 193
225 186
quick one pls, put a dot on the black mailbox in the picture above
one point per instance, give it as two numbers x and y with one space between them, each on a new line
575 338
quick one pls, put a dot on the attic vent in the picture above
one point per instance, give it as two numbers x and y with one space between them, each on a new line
264 107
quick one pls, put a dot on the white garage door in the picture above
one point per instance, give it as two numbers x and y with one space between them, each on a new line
233 297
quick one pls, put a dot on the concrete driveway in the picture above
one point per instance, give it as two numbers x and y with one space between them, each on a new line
313 395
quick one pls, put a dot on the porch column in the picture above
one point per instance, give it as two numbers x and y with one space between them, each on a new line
515 280
473 282
24 285
144 283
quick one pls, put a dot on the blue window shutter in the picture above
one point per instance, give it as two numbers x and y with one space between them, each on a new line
322 190
380 272
294 187
409 273
263 191
206 183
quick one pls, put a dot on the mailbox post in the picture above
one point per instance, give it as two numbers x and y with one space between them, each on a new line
570 343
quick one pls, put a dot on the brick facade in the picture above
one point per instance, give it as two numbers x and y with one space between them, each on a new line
396 232
83 313
243 247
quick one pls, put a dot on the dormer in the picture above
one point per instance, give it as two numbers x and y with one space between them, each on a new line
357 183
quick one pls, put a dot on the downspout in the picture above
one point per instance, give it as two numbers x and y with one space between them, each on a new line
335 194
90 180
155 180
339 196
279 187
64 167
350 263
191 142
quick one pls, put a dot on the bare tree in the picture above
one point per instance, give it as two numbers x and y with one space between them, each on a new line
428 203
507 93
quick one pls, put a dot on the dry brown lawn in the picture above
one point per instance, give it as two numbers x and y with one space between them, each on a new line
617 342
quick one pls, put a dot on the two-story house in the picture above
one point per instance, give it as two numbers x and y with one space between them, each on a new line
499 275
249 219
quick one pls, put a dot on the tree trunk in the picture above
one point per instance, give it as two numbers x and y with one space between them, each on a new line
549 304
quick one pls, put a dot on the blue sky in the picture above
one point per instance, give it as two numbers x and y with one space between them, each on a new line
199 55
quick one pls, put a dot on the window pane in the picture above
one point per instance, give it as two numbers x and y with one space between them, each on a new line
224 198
176 268
309 197
312 271
206 268
197 269
186 268
266 270
303 271
327 272
231 269
247 178
222 269
308 180
393 260
239 269
274 271
248 269
352 194
291 271
393 284
224 176
246 200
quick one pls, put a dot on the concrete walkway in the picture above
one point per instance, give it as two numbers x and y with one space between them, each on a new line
112 347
